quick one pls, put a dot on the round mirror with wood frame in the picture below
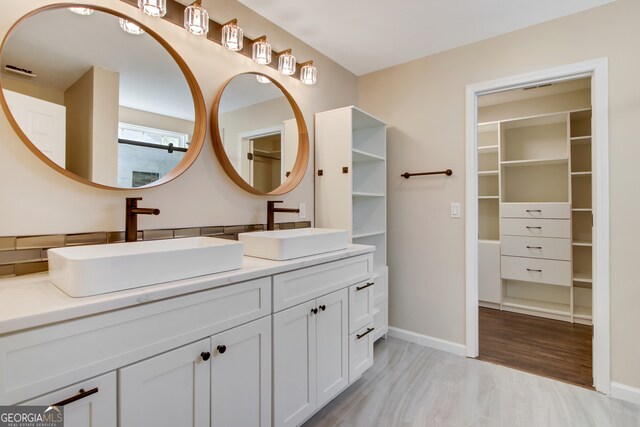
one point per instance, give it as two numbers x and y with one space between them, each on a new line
259 134
126 110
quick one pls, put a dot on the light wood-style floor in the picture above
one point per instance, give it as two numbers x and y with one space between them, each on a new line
411 385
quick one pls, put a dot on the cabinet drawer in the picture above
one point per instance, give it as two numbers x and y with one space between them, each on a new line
537 247
360 352
381 289
98 407
295 287
536 210
361 304
47 358
536 227
536 270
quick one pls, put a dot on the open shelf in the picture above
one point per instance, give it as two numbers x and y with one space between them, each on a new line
580 140
582 312
362 194
537 305
536 184
488 197
369 177
488 149
359 156
535 162
584 277
581 174
535 139
580 122
581 210
488 173
582 243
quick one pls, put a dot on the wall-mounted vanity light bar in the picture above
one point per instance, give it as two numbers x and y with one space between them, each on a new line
175 13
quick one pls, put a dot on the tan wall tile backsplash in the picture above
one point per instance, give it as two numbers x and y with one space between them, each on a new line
21 255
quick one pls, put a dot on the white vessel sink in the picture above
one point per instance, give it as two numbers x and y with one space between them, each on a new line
98 269
280 245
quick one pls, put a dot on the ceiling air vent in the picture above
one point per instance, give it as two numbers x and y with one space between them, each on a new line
19 71
537 86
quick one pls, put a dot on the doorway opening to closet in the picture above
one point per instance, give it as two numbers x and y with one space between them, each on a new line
537 208
535 229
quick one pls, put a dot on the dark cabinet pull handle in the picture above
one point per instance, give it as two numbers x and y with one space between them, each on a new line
322 307
314 311
205 355
534 210
533 270
369 330
81 395
534 247
359 288
537 228
222 348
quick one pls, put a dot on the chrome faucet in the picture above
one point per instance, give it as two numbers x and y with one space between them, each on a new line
131 228
271 209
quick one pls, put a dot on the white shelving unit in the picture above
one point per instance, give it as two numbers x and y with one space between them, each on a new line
535 172
351 188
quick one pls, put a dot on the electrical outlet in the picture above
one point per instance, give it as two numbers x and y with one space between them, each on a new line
303 210
455 210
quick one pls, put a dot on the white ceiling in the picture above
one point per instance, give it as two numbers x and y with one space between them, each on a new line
369 35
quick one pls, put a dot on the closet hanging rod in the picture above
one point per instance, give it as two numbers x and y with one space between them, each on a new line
407 175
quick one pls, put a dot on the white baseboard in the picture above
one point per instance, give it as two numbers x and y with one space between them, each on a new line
625 392
427 341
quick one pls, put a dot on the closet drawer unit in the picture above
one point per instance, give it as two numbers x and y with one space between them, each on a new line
537 247
536 227
536 210
548 271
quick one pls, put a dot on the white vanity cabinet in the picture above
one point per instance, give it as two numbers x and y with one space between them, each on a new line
91 403
225 379
271 349
318 307
311 356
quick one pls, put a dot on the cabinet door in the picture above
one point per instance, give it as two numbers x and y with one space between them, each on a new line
91 403
241 376
171 389
332 344
294 364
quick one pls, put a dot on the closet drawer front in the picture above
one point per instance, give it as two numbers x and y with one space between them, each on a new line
536 210
536 270
537 247
302 285
360 352
536 227
361 305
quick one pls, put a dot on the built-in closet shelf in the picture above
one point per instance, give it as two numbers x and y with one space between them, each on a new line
359 156
488 240
365 194
488 197
536 305
579 243
581 174
361 234
534 162
585 277
579 140
581 210
488 149
488 173
582 312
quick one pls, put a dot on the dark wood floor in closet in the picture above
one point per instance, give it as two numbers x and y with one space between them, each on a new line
550 348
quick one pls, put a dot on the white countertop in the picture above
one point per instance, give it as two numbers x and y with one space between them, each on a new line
32 300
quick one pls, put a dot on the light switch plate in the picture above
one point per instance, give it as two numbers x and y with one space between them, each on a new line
303 210
455 210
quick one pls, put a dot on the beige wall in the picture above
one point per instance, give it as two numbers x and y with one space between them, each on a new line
104 138
26 87
78 98
424 103
203 195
